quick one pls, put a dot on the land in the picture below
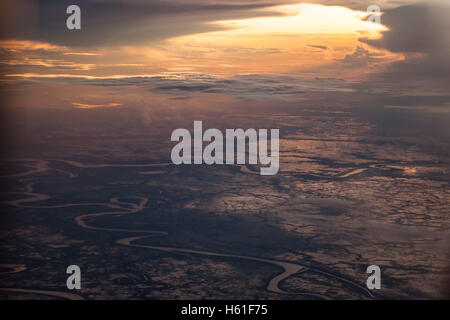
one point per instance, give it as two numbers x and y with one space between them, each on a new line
104 195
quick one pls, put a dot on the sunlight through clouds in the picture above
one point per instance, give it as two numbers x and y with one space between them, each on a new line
306 18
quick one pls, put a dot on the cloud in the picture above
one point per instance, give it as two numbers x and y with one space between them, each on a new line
422 33
90 106
361 57
114 22
362 4
26 45
133 22
419 28
47 63
257 87
318 46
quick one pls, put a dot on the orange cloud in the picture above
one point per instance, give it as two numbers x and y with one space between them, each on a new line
90 106
22 45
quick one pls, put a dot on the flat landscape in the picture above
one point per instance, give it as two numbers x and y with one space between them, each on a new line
153 230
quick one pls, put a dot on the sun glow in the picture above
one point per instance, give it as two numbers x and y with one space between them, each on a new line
293 37
306 18
290 38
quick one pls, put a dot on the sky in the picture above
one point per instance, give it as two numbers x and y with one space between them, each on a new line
251 50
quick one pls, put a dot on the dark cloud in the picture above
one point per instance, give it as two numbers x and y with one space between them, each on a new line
420 28
256 87
361 57
422 33
318 46
117 22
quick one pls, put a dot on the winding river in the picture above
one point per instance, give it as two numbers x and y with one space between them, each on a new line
119 206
